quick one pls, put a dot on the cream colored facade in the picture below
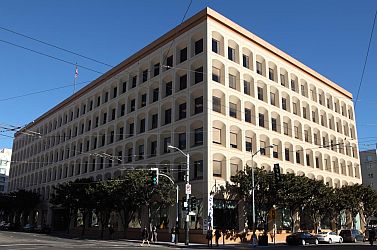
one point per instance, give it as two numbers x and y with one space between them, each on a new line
214 117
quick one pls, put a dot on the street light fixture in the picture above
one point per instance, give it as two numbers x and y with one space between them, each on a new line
253 190
187 240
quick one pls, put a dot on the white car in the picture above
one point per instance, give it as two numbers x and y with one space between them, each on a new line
329 237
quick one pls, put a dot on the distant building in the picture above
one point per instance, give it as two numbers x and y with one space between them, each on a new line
5 156
368 161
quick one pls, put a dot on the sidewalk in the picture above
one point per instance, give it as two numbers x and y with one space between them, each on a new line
246 245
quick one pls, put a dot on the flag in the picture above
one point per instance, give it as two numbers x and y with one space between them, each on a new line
76 72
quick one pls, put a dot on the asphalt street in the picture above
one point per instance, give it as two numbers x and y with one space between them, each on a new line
30 241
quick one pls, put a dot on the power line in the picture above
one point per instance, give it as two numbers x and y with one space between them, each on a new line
55 46
366 59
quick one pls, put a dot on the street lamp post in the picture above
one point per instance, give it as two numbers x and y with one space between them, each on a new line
187 239
253 191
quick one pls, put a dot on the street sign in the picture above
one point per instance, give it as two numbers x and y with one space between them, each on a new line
188 188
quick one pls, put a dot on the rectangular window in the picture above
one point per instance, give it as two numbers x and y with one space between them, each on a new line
294 108
284 103
154 121
121 131
142 126
233 140
183 55
98 101
285 126
260 93
199 46
307 159
156 69
249 144
122 109
272 98
271 74
115 92
247 115
246 87
298 160
153 148
145 75
134 81
215 46
306 135
104 120
155 95
130 154
293 85
274 124
245 61
259 68
113 114
303 90
198 75
216 134
315 139
275 152
106 97
313 117
216 104
143 100
320 99
233 110
132 105
304 113
198 169
296 132
169 62
111 136
261 120
141 152
167 116
182 82
131 129
233 169
216 165
182 141
182 111
198 105
216 74
168 88
282 80
124 87
262 147
231 54
286 153
232 81
167 141
198 136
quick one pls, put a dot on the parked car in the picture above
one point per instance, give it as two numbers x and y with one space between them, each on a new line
352 235
43 229
329 237
28 228
301 238
4 225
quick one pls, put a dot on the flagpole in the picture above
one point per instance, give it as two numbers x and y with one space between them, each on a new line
74 81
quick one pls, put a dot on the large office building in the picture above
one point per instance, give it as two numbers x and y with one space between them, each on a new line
5 158
210 88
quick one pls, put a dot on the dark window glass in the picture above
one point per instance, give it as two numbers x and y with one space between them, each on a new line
260 93
231 54
142 126
121 131
167 141
182 111
233 110
153 148
286 153
106 96
216 104
124 87
113 114
247 115
245 61
122 109
273 124
132 105
154 121
156 69
198 105
261 120
131 130
145 75
143 100
198 75
199 46
259 68
215 46
183 55
198 170
167 116
246 87
134 81
182 141
198 136
271 74
115 92
155 95
169 62
168 88
182 82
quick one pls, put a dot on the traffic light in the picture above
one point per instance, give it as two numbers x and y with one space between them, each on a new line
277 172
154 178
193 203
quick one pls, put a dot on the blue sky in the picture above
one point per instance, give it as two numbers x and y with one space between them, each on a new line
330 36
